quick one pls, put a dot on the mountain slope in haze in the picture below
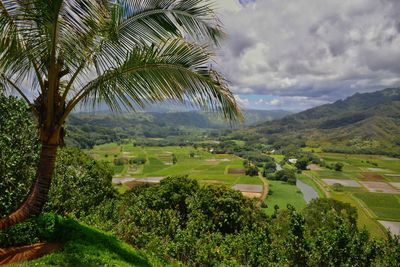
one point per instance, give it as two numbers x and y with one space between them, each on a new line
362 123
88 129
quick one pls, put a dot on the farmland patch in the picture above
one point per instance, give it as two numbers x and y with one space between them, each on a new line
343 182
380 187
236 171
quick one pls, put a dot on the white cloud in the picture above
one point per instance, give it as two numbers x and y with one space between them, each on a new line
321 50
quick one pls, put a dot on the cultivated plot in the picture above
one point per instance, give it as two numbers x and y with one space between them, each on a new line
347 183
381 187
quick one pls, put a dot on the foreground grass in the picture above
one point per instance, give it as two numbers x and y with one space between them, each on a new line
282 195
87 246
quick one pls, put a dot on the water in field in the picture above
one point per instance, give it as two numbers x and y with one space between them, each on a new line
308 192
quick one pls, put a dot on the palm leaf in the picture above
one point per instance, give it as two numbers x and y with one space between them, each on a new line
175 70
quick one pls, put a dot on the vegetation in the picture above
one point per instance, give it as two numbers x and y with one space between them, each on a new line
134 51
360 124
18 153
82 245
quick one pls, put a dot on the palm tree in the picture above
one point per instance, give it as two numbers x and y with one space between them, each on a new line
125 53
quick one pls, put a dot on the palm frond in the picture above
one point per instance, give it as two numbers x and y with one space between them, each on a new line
174 70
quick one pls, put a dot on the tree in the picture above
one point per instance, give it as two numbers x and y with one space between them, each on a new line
252 171
18 153
302 164
89 183
339 167
269 167
174 159
123 53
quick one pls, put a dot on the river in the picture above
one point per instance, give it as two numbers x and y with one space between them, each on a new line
308 192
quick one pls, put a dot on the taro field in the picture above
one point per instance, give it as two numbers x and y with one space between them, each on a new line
371 183
196 163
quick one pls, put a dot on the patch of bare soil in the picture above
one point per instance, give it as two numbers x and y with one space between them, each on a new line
251 195
314 167
369 176
133 184
26 253
236 171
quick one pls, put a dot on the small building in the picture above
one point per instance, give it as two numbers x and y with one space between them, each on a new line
293 161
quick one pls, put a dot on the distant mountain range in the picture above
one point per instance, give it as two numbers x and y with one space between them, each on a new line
88 129
198 119
365 123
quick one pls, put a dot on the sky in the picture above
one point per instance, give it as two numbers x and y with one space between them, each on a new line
297 54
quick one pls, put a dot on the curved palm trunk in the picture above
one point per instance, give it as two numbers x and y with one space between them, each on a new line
37 198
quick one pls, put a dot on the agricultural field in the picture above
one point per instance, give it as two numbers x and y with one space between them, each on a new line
281 194
196 163
368 182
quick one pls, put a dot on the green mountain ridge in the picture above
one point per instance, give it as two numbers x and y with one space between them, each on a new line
88 129
362 123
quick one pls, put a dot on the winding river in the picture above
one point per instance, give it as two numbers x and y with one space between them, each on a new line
308 192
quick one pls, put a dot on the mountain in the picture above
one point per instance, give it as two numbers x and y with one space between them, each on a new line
88 129
362 123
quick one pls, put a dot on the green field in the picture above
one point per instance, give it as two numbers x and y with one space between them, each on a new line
204 166
283 194
384 206
213 168
371 206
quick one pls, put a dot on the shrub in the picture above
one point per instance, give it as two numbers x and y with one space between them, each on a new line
19 150
119 161
138 161
37 229
252 171
338 167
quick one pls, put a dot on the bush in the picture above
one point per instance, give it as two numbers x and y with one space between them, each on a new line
252 171
19 149
138 161
79 183
338 167
119 161
37 229
286 176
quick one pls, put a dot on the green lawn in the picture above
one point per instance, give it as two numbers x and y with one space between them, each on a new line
283 194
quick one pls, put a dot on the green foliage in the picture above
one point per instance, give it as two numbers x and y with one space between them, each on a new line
37 229
82 245
138 161
174 159
302 163
269 167
286 175
79 183
361 124
252 171
339 166
18 153
329 213
119 161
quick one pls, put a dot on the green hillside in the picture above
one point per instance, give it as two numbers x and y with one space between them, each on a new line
362 123
88 129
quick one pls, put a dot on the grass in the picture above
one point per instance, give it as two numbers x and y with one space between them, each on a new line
283 194
370 206
86 246
204 166
384 206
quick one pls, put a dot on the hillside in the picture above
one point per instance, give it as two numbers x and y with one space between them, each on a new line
87 129
364 123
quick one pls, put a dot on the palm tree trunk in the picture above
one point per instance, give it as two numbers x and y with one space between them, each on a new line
37 198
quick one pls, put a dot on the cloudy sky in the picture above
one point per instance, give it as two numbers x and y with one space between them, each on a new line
296 54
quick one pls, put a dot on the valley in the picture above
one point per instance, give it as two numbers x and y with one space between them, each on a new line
368 182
